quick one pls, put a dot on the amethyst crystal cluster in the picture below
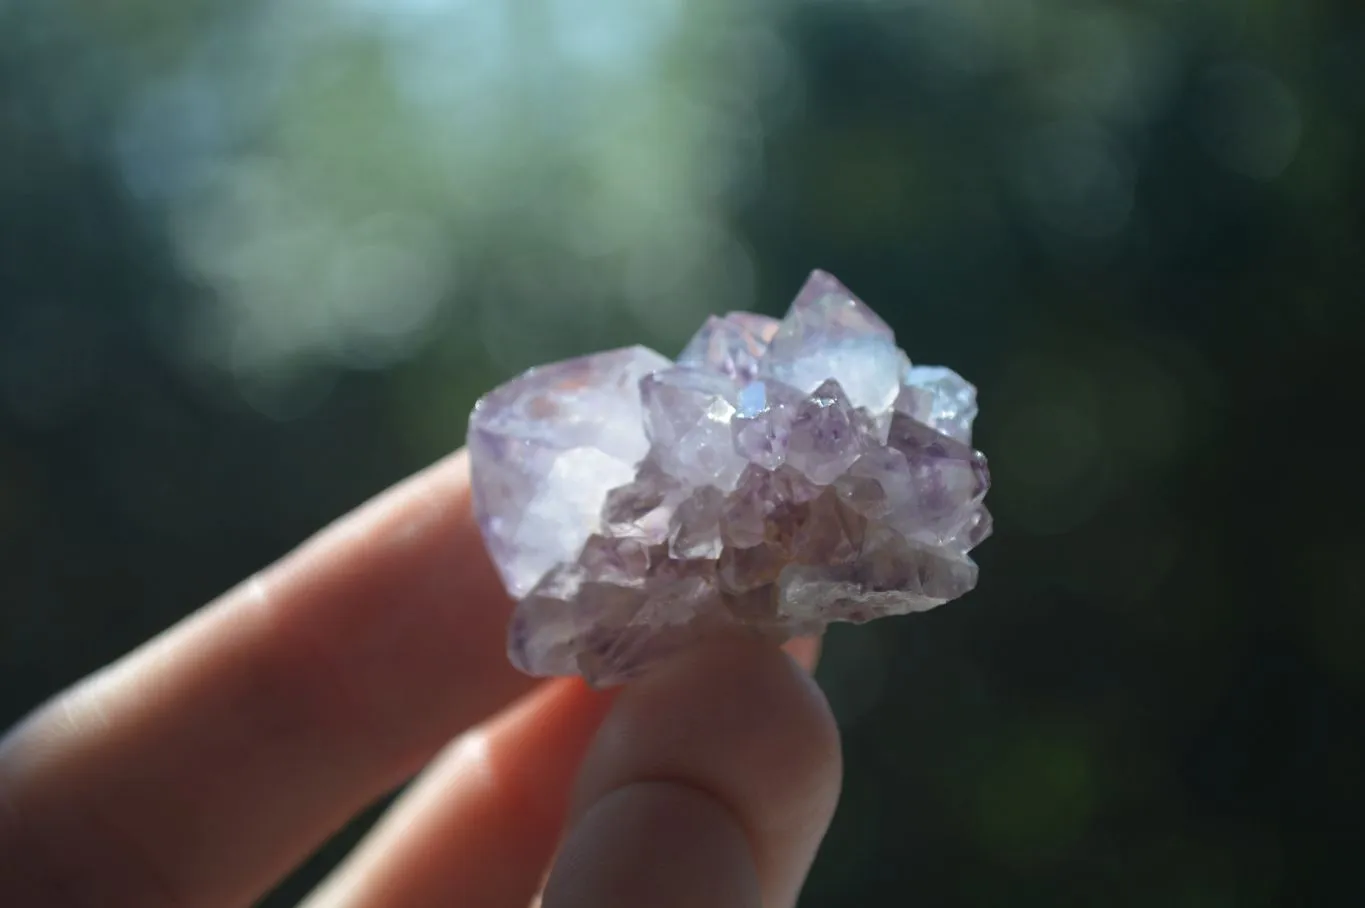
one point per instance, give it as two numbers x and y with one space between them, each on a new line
779 476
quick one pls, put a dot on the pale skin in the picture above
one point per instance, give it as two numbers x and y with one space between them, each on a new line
201 768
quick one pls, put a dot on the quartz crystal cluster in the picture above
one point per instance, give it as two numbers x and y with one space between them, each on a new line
780 475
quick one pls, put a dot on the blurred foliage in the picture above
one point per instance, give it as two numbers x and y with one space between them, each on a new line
257 260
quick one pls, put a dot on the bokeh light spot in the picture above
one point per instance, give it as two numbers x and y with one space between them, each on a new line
1076 179
1247 119
1035 798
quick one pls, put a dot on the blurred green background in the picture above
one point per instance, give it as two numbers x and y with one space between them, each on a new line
257 260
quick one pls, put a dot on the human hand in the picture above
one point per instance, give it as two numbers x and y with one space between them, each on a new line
201 768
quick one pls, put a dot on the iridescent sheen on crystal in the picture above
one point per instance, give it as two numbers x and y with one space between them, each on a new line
778 477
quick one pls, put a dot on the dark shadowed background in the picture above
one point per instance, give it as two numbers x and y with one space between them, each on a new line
257 260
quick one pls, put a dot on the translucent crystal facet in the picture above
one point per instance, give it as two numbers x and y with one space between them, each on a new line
830 333
780 476
547 448
763 421
687 420
939 398
731 345
825 436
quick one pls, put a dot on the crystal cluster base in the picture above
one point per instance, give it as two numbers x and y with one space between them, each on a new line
779 476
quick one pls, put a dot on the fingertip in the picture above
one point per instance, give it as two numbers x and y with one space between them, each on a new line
660 844
742 722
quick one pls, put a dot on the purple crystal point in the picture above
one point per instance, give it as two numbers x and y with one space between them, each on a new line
923 484
825 437
763 421
779 477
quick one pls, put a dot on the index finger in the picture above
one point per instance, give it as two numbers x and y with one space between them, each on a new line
203 766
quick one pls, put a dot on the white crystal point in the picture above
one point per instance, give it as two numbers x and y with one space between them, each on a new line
687 420
830 333
731 345
941 399
546 448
